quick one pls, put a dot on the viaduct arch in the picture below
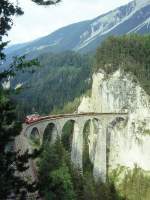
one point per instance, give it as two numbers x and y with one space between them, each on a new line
49 128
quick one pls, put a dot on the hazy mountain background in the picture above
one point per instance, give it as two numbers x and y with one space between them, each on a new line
87 35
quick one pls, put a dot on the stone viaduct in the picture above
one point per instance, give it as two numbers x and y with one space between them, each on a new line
56 124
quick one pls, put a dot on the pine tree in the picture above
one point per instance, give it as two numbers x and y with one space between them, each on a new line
11 185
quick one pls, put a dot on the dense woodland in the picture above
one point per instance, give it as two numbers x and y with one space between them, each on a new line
60 79
12 163
131 53
60 180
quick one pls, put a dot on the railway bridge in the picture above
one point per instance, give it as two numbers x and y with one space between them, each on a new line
50 127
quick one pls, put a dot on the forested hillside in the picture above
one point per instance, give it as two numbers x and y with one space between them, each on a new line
130 53
60 79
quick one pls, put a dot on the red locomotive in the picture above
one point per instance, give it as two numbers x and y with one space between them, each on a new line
32 118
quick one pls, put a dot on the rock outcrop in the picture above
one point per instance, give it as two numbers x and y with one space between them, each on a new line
128 141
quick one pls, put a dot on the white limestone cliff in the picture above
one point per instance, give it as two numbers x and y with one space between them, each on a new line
128 141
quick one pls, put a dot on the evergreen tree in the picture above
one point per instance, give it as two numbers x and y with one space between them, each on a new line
10 160
11 185
55 180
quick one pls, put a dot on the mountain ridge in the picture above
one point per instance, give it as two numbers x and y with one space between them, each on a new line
85 36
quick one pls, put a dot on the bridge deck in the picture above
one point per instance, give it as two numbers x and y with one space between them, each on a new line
76 115
84 114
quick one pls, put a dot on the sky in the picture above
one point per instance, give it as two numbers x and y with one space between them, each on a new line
39 21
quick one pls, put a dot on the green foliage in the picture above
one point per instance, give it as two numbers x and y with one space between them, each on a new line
87 164
135 185
67 135
69 107
47 137
7 11
10 160
54 176
98 190
61 183
10 127
60 180
35 142
62 78
12 186
130 53
146 132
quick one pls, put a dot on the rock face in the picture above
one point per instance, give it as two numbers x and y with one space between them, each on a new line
128 142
